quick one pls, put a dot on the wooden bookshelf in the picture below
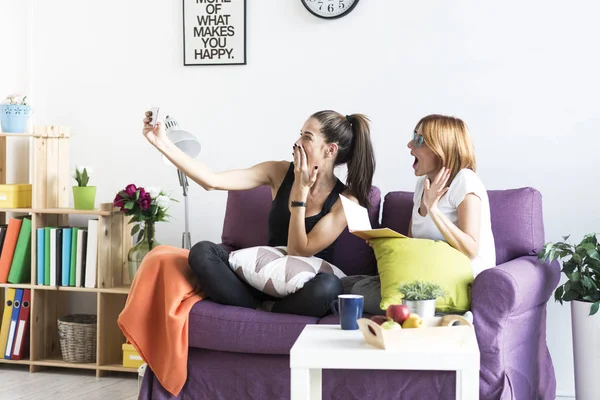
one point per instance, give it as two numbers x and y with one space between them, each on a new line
51 194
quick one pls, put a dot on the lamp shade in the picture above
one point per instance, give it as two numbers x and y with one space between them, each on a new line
184 140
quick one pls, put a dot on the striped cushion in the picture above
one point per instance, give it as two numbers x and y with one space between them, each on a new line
272 271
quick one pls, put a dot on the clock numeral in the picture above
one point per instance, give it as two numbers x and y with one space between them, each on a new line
331 8
320 5
342 5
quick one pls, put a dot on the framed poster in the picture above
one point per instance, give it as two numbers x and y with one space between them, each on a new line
214 32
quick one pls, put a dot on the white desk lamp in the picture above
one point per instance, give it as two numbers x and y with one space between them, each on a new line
187 143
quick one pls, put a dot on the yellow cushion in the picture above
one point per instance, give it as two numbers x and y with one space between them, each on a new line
402 260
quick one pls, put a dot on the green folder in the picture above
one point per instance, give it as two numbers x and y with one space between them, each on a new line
73 256
20 269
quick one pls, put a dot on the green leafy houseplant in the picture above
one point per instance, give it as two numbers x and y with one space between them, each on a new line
581 265
419 290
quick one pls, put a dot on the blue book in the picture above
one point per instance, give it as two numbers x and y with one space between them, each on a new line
12 330
40 255
66 257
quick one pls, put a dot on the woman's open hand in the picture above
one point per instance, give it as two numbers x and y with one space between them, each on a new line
303 176
155 134
434 191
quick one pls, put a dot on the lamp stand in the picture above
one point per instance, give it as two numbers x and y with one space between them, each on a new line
186 239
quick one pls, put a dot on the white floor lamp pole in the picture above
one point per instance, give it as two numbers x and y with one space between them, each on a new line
186 239
187 143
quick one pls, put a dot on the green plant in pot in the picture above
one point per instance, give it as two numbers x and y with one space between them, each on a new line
146 208
581 267
84 196
420 297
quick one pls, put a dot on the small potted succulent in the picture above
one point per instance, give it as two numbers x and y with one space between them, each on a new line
84 196
420 297
14 113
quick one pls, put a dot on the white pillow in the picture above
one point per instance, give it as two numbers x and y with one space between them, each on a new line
272 271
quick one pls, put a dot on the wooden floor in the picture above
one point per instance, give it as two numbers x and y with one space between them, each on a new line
16 383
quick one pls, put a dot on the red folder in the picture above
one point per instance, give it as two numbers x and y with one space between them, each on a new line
8 249
21 346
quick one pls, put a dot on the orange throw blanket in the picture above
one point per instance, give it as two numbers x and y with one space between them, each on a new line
156 314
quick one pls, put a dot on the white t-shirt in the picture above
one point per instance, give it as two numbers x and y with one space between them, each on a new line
465 182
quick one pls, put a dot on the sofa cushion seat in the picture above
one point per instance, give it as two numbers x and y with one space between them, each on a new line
214 326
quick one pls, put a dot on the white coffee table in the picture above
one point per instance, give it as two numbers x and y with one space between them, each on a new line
329 347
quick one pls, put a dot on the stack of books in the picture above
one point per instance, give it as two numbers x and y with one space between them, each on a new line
65 255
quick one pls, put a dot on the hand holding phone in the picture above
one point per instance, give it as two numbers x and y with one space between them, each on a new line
154 116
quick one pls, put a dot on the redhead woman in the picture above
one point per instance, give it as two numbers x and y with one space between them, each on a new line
450 202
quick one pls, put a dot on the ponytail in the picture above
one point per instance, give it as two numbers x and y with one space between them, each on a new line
353 136
361 163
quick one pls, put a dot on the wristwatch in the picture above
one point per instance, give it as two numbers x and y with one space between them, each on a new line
298 203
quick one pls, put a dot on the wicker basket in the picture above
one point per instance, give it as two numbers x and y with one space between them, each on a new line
77 335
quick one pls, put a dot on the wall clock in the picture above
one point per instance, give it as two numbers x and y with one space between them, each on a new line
329 9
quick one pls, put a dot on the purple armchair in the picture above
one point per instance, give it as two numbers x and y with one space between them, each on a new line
237 353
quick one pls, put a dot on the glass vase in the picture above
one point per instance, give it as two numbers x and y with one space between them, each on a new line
146 242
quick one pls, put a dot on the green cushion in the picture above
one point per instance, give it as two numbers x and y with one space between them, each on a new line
402 260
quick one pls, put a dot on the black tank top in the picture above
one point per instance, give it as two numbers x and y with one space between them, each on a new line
279 215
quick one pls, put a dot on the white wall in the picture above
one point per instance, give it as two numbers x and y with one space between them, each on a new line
523 76
15 61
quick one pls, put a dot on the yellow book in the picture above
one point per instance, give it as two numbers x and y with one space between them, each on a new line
359 224
4 328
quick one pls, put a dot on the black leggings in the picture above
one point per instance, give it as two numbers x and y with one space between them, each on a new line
210 263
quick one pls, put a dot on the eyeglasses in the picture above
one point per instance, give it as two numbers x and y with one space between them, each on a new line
418 139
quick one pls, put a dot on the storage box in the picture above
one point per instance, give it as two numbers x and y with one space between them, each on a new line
131 358
15 196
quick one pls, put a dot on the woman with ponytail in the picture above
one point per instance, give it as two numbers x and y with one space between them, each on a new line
306 213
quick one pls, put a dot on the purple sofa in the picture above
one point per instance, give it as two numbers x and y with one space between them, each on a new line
237 353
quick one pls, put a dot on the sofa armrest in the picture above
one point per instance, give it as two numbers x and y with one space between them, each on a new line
509 315
514 287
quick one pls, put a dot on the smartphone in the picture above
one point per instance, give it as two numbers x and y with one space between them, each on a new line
154 116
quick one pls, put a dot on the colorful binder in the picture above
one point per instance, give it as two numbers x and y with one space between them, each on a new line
8 249
47 256
41 243
2 235
66 256
6 316
16 309
73 266
21 345
20 269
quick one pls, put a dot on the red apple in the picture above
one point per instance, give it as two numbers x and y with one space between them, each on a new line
379 319
398 312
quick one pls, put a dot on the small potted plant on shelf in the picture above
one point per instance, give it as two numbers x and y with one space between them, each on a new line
420 297
14 113
581 266
146 208
84 196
